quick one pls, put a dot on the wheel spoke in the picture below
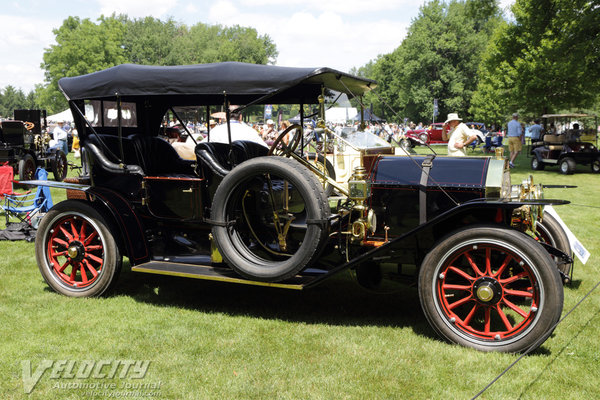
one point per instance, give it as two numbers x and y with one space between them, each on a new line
82 230
487 320
90 268
460 302
504 319
515 308
60 241
488 257
498 273
74 230
88 239
469 317
94 258
472 263
513 278
456 287
65 265
519 293
462 273
84 278
67 234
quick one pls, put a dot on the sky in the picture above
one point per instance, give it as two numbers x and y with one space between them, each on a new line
339 34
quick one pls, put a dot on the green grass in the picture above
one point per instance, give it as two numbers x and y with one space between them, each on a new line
222 341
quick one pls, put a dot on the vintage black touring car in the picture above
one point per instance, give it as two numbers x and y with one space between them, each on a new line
244 213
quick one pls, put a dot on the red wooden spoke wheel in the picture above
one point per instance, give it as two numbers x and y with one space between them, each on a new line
75 250
491 288
488 292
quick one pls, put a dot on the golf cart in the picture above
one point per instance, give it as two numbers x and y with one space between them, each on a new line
567 143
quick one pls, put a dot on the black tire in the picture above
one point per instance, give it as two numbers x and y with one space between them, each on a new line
329 170
406 144
550 232
59 166
27 168
567 166
85 264
596 166
251 245
536 165
508 307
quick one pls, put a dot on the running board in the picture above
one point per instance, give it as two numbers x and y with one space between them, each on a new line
211 273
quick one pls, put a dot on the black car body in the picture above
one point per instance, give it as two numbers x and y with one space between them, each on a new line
247 214
24 145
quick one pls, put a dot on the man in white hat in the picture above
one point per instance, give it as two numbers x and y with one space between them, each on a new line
61 137
458 135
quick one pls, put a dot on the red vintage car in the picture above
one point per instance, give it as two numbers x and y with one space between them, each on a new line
429 135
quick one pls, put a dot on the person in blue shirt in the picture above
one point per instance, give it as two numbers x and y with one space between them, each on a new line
536 131
515 138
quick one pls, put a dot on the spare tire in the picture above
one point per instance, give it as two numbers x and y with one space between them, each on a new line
270 218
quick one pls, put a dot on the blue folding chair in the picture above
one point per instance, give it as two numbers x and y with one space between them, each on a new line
26 207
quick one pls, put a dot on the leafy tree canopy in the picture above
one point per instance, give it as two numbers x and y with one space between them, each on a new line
546 60
83 46
438 59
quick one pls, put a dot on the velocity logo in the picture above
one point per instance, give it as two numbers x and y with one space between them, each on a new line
86 369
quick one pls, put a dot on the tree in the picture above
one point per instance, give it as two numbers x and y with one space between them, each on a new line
12 99
82 47
438 59
546 60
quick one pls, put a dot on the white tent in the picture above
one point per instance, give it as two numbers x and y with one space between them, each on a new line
61 116
340 114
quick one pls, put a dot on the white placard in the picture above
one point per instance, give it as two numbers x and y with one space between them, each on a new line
578 248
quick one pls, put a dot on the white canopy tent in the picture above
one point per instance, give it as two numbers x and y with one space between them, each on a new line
61 116
340 114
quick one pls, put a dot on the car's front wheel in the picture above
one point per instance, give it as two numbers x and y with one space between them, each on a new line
567 166
491 288
75 250
536 165
596 166
59 166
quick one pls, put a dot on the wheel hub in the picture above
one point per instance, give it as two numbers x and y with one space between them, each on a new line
487 290
76 251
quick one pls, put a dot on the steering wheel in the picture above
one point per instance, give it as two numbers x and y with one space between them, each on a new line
28 125
280 148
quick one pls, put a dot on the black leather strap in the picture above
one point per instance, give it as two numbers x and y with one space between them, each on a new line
425 168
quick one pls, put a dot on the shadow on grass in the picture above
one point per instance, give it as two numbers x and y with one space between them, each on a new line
337 301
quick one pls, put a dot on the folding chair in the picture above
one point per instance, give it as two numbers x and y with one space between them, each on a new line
6 180
25 207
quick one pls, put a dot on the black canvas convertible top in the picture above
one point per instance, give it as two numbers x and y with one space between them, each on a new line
243 83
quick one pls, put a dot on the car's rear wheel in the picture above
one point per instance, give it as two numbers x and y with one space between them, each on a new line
270 217
491 288
567 166
596 166
27 168
406 144
536 165
59 166
75 250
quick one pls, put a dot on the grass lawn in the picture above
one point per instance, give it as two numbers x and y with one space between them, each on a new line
207 340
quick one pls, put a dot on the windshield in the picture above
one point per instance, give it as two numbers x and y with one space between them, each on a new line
364 140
